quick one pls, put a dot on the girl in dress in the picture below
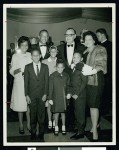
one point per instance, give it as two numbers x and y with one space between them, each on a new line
51 62
18 99
58 89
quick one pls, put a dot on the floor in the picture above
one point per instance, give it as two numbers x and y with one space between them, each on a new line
13 131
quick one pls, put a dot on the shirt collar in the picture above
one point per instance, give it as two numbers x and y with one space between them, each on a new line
49 59
42 44
104 41
39 64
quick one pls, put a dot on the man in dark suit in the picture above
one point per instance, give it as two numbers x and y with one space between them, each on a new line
43 44
36 78
10 52
65 52
103 41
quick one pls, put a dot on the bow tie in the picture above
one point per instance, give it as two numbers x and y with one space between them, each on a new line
43 45
70 45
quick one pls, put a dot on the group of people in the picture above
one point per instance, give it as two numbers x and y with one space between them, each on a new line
70 75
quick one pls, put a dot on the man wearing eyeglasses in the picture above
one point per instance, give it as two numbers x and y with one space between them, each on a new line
65 52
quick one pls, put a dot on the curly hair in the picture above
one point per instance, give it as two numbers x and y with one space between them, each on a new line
92 34
23 39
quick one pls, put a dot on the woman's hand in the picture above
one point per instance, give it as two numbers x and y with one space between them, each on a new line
17 71
51 102
28 100
44 98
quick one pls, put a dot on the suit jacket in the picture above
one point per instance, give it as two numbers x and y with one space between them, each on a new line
47 55
36 87
9 55
78 83
108 45
62 53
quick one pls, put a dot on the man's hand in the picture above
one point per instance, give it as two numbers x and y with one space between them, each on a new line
17 71
44 98
51 102
68 96
75 96
28 100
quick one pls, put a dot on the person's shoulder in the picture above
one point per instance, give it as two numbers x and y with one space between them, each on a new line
28 65
66 74
45 61
44 65
54 74
100 48
15 55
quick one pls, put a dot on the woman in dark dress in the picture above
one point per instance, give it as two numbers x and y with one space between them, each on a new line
97 59
58 89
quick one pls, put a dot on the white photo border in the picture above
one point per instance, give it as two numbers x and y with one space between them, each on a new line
71 5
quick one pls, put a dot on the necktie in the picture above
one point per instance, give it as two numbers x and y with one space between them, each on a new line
70 45
37 70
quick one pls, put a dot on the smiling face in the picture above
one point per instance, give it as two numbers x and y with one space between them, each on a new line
77 58
70 36
43 37
60 68
24 47
89 41
53 53
36 56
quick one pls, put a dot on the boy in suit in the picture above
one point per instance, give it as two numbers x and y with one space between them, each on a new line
78 92
36 78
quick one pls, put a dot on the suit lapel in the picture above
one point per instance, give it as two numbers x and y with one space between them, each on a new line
75 47
65 51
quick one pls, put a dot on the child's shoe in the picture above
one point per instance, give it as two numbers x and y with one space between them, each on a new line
50 125
56 132
63 130
53 123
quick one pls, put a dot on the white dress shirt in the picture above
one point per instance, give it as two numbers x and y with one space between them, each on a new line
43 50
35 67
70 52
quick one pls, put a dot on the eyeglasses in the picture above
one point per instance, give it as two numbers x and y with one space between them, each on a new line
69 35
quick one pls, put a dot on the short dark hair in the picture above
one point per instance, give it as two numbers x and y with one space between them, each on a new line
59 61
72 29
44 30
90 33
53 47
78 53
102 31
35 49
23 39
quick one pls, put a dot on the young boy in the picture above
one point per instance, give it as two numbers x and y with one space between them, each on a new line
78 92
36 78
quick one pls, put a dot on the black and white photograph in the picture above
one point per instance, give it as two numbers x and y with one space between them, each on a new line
59 75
